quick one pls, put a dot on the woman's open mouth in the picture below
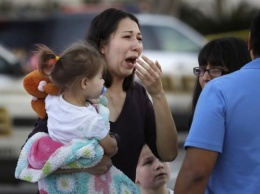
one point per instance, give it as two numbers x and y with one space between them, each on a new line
131 61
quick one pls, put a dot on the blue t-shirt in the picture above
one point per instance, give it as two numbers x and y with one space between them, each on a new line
227 121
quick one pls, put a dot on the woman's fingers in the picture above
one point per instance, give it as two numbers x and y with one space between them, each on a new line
158 66
150 74
155 66
148 70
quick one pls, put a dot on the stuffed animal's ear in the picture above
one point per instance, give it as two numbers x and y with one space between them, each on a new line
31 82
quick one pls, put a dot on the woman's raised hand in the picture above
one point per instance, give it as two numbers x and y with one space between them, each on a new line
150 74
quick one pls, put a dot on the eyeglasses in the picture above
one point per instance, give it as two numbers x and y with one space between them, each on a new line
213 72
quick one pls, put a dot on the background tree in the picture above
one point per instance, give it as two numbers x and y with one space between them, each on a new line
209 18
219 19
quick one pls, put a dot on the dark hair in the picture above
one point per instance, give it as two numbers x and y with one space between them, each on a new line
228 52
255 34
77 61
100 31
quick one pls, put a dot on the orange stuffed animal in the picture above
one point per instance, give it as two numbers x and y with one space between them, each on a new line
39 86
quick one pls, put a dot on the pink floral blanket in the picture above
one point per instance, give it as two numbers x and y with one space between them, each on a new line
34 166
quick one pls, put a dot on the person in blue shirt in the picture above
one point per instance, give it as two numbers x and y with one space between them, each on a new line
222 147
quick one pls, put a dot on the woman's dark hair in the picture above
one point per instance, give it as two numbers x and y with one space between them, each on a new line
101 28
229 52
255 34
77 61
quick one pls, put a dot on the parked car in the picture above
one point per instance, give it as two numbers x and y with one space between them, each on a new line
13 98
166 39
14 103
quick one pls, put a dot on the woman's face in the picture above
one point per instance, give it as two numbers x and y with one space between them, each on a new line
204 79
123 48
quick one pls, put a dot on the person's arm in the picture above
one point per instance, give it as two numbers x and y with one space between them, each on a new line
150 75
101 168
195 171
109 144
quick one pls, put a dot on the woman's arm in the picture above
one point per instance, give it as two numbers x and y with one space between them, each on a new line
101 168
109 144
150 74
42 144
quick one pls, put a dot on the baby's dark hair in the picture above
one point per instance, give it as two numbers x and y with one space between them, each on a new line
77 61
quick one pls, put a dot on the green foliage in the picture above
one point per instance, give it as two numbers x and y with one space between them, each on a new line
236 19
243 34
8 10
5 7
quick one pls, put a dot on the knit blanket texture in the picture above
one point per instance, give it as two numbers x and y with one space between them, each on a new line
78 154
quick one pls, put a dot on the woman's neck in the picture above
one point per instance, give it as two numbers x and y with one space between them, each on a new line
116 99
116 86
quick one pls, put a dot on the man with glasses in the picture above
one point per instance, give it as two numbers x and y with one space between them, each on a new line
222 147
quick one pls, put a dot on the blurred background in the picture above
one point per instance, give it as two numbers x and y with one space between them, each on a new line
173 31
208 17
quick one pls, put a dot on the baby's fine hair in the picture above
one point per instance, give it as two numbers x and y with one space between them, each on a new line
77 61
